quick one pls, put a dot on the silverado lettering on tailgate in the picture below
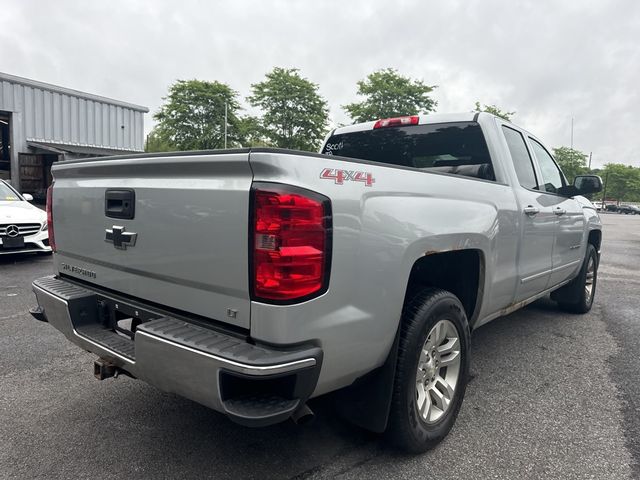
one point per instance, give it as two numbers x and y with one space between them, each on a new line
79 270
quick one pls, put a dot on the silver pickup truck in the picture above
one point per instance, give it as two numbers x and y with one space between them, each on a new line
253 280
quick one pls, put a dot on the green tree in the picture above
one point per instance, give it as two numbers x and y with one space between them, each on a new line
294 114
497 111
572 162
155 143
193 114
622 182
252 133
389 94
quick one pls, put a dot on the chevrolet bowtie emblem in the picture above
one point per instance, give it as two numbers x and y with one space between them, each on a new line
120 238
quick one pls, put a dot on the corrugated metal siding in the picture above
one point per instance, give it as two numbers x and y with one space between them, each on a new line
65 118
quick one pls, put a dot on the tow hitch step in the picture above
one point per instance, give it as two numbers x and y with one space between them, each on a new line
103 369
38 313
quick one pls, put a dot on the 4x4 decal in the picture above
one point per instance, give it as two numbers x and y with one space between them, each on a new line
340 176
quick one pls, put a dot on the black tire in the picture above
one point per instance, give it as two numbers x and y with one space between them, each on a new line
574 297
406 429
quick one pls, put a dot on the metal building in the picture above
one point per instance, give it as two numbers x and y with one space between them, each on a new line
42 123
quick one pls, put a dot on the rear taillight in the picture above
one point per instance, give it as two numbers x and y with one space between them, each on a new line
291 243
52 238
397 122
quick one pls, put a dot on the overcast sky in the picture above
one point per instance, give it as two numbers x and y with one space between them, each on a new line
547 60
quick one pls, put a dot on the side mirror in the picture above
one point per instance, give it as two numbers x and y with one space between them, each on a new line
28 197
585 184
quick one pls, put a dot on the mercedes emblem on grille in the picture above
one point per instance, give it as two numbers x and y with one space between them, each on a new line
13 231
120 238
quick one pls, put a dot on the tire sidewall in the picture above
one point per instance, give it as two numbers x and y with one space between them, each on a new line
447 308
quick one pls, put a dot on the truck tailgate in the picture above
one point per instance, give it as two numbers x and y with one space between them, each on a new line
190 222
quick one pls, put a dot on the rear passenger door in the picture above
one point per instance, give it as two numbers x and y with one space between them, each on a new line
537 219
567 247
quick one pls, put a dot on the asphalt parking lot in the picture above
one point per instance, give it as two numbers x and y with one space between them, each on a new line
552 396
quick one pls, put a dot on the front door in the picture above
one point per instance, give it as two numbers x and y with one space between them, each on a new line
567 247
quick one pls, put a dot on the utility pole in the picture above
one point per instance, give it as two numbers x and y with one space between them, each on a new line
604 190
571 133
590 153
226 107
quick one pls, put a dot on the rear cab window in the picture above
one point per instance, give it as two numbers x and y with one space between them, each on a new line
455 148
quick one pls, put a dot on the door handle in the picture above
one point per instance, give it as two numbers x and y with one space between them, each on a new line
531 210
559 211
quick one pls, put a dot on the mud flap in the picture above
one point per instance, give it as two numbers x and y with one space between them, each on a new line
366 403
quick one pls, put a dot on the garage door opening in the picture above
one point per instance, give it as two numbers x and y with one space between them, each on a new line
5 145
35 174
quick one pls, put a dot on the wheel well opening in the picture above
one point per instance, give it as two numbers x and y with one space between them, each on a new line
458 272
595 238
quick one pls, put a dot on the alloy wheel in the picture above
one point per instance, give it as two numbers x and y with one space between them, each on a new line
438 371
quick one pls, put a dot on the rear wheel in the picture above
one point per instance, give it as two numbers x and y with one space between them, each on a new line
432 370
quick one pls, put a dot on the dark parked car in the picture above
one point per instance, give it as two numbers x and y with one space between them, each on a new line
611 208
629 209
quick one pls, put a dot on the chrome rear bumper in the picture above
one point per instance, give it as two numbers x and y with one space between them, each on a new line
254 385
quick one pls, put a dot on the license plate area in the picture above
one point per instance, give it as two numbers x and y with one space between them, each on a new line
12 242
121 317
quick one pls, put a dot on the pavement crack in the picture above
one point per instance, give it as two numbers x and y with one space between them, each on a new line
325 470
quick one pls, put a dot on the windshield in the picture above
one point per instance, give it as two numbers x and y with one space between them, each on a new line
457 148
7 194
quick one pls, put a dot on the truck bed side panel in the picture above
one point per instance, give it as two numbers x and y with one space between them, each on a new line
379 231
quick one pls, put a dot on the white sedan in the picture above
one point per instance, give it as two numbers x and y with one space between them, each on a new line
23 227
